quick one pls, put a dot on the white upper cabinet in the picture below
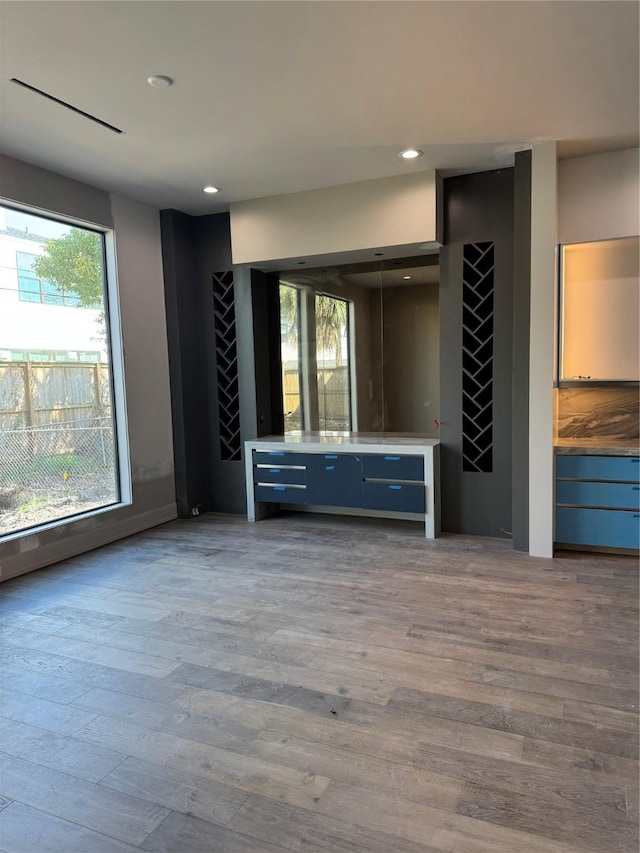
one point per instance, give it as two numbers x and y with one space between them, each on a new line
600 310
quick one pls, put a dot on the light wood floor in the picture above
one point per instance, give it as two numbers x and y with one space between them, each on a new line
319 684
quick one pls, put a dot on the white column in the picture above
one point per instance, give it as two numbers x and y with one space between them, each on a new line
542 348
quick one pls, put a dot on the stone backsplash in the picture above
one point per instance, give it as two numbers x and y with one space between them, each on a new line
607 413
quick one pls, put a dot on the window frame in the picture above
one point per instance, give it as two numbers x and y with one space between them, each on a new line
115 349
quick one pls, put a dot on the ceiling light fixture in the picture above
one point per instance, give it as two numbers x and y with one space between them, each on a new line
410 154
210 189
159 81
406 277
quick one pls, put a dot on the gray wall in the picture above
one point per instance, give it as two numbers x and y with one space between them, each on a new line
194 249
140 280
477 208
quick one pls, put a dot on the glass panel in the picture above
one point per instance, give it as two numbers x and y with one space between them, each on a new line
29 289
57 437
290 356
332 361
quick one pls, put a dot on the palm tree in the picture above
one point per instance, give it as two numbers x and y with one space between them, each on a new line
330 319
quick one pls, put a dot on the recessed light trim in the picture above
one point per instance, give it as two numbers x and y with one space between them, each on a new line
160 81
210 189
410 154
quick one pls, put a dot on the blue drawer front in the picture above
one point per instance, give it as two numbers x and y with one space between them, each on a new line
608 528
281 494
624 469
395 497
584 493
334 480
277 457
273 474
393 467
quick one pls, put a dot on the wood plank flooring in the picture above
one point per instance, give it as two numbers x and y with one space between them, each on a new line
311 683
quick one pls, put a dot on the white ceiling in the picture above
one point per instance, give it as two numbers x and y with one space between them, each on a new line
276 97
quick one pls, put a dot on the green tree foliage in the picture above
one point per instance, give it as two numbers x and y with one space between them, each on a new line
73 264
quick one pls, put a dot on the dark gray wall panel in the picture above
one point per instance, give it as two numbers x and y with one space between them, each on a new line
521 317
478 208
187 366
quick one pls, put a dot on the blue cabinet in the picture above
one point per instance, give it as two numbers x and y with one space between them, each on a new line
597 501
393 467
622 469
334 479
599 527
394 497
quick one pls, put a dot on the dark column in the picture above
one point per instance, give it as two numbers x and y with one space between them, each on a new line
478 209
521 316
187 365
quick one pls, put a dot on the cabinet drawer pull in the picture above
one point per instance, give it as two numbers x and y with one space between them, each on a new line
635 515
331 456
392 458
274 470
329 467
636 460
635 488
276 452
395 487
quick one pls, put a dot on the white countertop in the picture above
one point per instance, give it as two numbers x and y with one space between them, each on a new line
358 441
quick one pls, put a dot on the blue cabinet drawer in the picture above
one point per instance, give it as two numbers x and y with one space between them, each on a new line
278 457
334 480
393 467
281 494
393 496
607 528
625 469
584 493
287 474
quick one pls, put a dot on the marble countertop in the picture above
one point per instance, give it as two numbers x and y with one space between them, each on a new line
352 440
598 446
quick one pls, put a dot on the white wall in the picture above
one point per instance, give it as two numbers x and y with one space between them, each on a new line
38 326
396 211
599 197
542 348
141 293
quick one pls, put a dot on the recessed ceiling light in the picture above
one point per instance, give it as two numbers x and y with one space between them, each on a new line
210 189
406 277
160 81
410 153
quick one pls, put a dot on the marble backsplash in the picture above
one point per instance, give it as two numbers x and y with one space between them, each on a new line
607 413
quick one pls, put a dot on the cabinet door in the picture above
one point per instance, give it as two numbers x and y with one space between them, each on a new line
334 479
393 496
393 467
584 493
606 528
622 469
281 494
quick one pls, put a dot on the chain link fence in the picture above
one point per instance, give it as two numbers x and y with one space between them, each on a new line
53 466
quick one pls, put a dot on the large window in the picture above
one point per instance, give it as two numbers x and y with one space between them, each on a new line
315 348
58 454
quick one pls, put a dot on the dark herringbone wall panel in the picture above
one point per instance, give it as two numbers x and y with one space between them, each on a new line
477 357
226 366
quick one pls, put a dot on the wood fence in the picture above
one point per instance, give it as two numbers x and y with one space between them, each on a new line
40 393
